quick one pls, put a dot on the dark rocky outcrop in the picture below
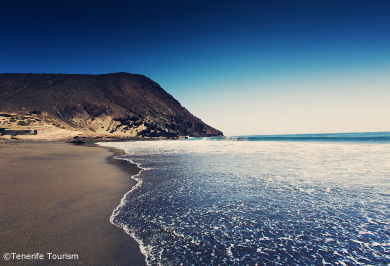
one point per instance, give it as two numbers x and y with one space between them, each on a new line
120 103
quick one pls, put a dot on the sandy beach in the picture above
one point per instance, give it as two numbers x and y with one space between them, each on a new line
57 198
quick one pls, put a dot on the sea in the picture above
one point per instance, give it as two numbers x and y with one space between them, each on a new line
312 199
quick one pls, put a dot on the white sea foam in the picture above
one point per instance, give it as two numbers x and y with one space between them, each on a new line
143 249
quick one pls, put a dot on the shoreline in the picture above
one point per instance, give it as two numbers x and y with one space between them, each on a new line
134 170
58 198
126 166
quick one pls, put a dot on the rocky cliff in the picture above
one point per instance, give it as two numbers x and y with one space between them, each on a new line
120 104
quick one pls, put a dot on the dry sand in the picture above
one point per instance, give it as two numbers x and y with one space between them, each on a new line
57 198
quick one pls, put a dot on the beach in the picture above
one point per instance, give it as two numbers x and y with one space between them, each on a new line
57 199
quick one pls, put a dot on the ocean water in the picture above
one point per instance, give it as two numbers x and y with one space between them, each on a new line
260 200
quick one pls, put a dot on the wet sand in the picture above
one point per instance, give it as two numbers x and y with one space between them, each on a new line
57 198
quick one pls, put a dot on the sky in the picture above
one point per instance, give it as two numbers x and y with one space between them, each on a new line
244 67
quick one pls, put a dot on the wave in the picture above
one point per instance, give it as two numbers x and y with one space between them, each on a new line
381 137
229 202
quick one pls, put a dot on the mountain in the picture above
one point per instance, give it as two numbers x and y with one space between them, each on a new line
119 104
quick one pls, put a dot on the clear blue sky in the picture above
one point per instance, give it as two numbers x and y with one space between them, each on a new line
244 67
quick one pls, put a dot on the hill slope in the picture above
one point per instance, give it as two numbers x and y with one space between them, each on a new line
120 104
